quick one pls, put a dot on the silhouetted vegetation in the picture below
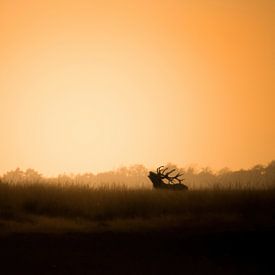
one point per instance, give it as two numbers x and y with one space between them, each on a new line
258 177
27 202
116 220
241 197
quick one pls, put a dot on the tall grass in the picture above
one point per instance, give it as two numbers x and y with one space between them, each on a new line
111 202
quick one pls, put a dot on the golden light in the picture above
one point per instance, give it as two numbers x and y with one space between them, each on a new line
90 86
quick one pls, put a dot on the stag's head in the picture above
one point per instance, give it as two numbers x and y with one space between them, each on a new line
162 174
153 176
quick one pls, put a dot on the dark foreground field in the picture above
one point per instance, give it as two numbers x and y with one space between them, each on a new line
239 252
77 230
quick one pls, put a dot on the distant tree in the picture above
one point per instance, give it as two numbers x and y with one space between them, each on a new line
270 173
223 171
137 170
19 176
271 166
14 176
32 176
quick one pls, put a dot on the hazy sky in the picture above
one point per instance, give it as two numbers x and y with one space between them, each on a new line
90 85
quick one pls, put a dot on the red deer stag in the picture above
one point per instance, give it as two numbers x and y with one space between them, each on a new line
174 182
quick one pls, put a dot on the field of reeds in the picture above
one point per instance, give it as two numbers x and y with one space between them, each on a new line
42 207
116 223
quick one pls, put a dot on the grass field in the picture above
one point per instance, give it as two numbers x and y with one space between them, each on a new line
76 229
45 207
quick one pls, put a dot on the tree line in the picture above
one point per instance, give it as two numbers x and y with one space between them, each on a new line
136 176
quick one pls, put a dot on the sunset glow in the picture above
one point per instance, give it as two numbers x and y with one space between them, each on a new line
94 85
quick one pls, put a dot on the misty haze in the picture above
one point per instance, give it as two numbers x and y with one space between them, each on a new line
137 137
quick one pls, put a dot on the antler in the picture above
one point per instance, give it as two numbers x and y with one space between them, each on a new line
176 177
159 169
171 179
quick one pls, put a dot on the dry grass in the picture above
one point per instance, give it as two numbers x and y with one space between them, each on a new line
75 208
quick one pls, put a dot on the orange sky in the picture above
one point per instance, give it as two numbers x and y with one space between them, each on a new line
93 85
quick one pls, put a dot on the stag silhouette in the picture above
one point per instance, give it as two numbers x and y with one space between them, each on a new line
173 182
